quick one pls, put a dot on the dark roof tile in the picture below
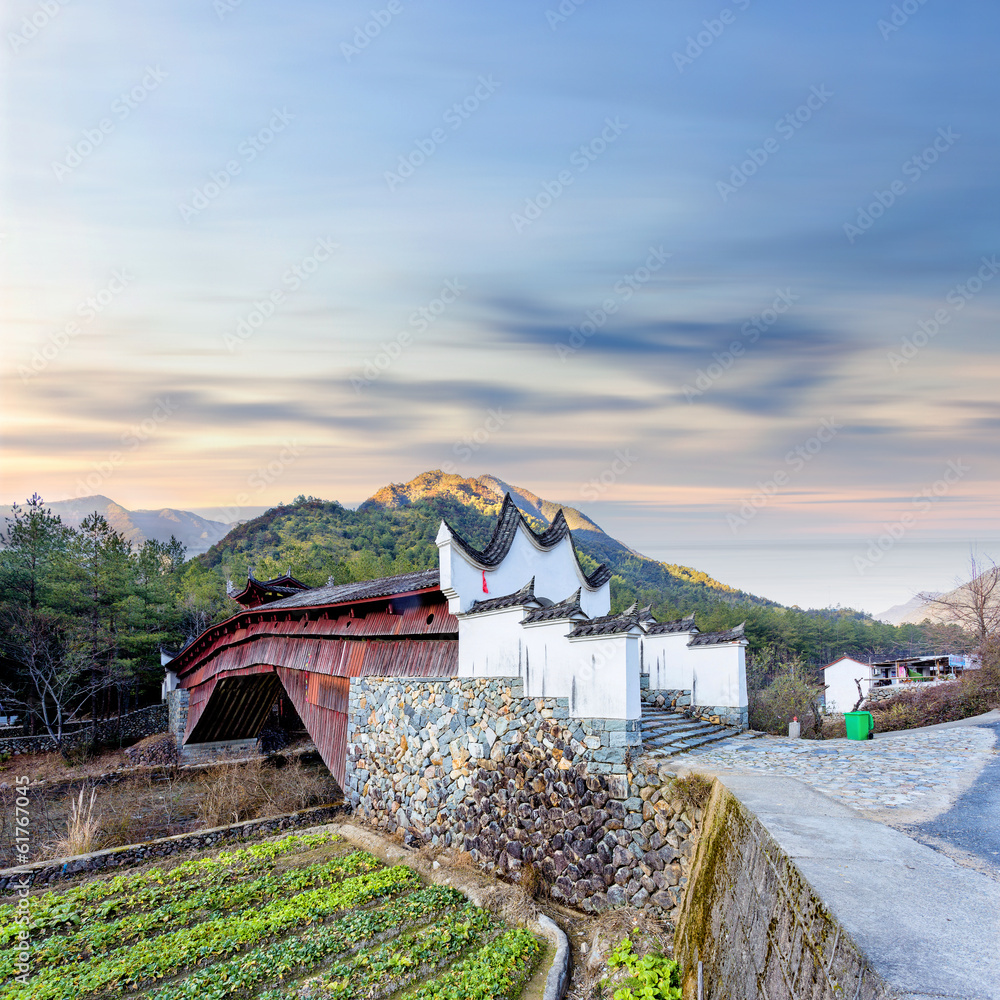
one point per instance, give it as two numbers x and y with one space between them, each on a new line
663 628
520 598
340 593
718 638
569 608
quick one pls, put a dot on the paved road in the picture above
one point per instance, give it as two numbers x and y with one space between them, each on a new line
973 822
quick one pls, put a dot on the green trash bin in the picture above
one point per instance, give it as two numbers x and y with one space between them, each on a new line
860 725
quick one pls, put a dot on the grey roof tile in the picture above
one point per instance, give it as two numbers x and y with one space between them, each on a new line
718 638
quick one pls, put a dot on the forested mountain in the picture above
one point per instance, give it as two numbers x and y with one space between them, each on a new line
194 532
393 532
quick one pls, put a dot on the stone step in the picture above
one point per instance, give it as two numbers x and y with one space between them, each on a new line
673 725
676 732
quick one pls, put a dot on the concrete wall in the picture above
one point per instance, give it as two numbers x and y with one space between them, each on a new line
756 925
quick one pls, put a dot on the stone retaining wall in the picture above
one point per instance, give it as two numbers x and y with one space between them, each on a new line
680 701
130 728
42 872
756 925
473 764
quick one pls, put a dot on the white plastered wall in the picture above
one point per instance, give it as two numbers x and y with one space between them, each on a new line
605 681
556 571
841 691
715 675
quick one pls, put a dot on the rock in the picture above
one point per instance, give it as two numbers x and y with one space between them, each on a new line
616 896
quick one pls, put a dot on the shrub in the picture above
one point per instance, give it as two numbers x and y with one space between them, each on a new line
785 698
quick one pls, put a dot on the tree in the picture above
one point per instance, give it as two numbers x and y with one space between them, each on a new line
33 541
46 678
975 606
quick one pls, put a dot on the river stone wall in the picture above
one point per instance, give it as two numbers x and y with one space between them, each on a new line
130 728
472 764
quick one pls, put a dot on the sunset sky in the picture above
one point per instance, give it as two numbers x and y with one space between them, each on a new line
726 277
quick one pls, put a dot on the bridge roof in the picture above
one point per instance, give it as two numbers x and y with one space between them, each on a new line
340 593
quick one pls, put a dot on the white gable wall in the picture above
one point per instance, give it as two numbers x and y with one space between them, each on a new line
841 691
556 571
715 675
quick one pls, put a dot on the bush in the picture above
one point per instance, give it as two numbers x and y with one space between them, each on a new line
785 698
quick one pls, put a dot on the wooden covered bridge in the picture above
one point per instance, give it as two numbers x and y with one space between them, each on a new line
308 643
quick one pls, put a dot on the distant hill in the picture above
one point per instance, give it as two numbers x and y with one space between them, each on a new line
913 612
196 533
393 532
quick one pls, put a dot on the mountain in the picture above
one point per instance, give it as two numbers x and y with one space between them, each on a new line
393 532
196 533
913 612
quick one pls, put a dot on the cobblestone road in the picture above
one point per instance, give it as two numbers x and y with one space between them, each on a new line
907 775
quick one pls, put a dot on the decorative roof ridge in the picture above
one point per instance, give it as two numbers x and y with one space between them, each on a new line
624 621
520 598
567 608
665 628
505 530
718 638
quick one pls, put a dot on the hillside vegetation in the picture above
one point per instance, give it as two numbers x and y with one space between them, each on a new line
394 530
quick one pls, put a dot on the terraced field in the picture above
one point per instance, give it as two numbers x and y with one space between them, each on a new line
306 917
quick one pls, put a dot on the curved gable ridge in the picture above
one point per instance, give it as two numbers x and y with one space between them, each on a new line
516 550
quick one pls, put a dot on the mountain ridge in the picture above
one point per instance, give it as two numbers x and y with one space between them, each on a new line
198 534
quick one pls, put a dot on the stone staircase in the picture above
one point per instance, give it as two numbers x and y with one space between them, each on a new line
666 733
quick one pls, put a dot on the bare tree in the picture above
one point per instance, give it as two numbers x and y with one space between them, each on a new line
50 676
975 606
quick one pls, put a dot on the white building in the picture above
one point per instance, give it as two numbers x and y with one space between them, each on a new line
841 679
527 609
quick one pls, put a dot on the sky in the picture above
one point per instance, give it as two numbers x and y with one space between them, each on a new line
725 277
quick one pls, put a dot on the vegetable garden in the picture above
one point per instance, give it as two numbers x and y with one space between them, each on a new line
305 917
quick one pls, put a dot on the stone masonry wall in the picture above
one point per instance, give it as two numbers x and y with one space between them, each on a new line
680 701
129 729
472 764
756 925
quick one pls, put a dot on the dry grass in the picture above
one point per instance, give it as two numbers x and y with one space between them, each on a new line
692 789
82 825
256 789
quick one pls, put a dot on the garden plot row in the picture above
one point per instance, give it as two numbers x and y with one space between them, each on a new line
270 921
